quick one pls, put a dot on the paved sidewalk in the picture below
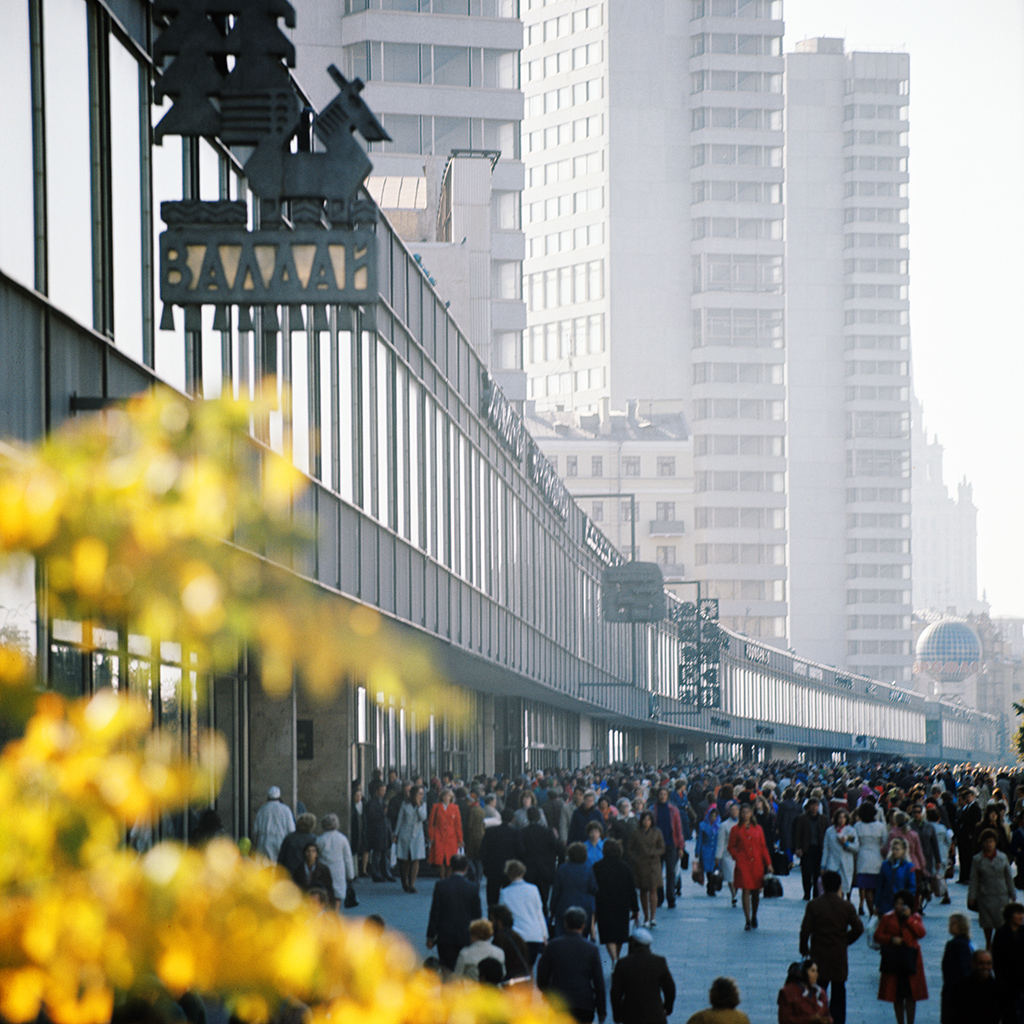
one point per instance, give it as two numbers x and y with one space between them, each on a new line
703 937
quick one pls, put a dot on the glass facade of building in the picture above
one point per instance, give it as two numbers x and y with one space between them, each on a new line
423 501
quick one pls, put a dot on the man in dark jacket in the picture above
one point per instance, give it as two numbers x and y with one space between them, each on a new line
571 967
643 990
968 818
454 904
378 833
541 849
830 925
500 844
978 996
808 840
583 816
789 811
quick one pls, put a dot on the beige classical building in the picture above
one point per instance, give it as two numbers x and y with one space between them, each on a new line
615 461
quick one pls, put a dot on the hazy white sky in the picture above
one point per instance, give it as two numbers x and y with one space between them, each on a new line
966 242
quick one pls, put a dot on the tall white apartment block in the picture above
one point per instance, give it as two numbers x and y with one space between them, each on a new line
849 357
605 209
653 215
443 77
738 354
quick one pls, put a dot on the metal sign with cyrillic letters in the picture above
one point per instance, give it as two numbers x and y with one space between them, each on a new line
219 265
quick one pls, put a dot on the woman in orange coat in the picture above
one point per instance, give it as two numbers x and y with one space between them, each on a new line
901 927
750 852
444 828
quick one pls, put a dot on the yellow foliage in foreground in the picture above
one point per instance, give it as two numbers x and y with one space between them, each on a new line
84 922
165 518
146 519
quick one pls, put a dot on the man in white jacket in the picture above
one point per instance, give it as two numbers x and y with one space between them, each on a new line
272 823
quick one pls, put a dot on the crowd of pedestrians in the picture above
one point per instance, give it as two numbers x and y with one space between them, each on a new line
570 859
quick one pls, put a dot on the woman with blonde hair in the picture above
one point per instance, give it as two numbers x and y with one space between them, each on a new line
444 828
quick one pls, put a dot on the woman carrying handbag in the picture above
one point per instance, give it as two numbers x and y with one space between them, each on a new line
898 935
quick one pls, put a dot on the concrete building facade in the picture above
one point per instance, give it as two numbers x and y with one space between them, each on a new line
443 76
632 472
945 532
653 215
849 357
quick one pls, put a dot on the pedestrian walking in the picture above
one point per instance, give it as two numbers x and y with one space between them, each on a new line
705 849
870 840
570 967
444 828
574 886
518 959
724 864
830 926
897 873
291 855
336 854
501 843
379 834
582 816
523 900
272 823
410 843
839 849
968 818
479 948
809 839
357 830
956 964
454 905
977 997
646 847
991 885
785 818
616 903
541 849
643 990
899 935
669 823
1008 962
752 861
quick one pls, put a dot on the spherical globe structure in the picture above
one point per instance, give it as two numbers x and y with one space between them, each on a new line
948 651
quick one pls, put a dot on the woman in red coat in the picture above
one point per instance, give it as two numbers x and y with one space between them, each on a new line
444 827
750 852
901 927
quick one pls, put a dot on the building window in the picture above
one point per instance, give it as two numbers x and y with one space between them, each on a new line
631 465
597 512
597 465
571 465
553 459
665 555
666 465
626 512
665 511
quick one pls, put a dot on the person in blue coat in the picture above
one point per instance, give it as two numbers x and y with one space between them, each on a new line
707 843
574 886
897 873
